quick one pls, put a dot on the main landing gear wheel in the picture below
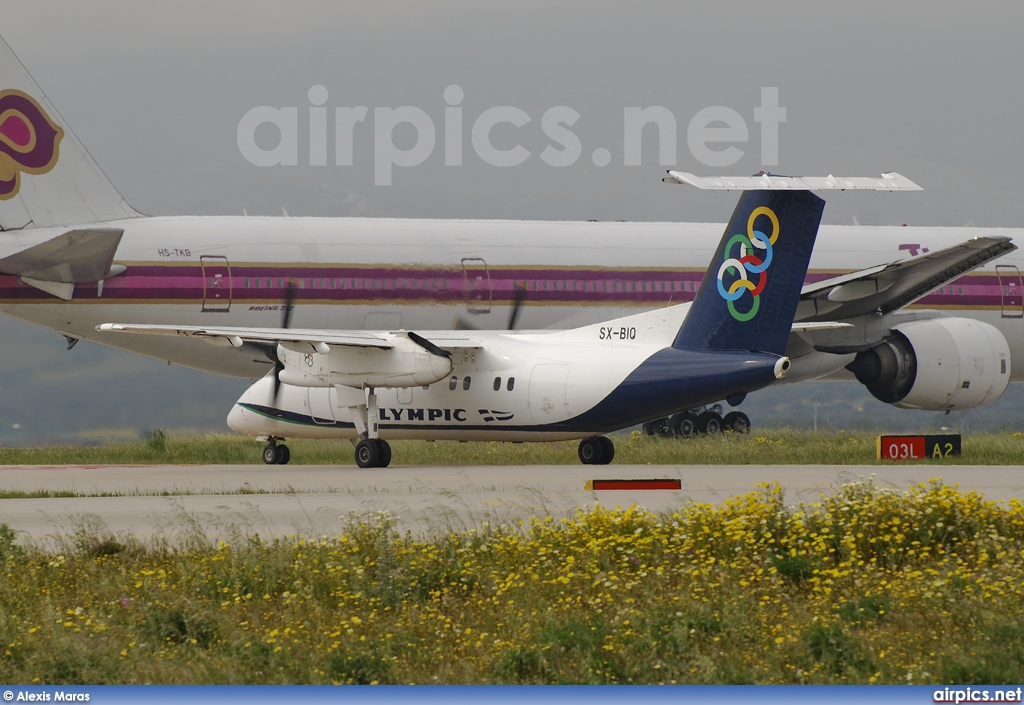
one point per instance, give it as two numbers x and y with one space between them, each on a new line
373 453
736 421
596 451
683 424
709 423
274 454
659 427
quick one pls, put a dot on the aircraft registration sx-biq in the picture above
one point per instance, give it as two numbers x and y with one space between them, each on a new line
581 383
74 254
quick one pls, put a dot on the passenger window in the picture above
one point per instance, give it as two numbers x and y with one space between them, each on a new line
497 383
511 384
466 382
453 383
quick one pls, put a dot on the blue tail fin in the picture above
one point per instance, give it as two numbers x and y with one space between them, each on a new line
752 287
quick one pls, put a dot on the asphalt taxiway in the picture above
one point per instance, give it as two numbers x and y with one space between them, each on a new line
223 500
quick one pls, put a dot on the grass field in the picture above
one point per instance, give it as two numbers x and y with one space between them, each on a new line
779 446
867 586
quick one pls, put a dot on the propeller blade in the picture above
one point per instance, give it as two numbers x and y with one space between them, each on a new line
428 346
289 304
286 319
460 323
519 295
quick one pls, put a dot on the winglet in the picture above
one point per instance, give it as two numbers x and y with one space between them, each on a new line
889 181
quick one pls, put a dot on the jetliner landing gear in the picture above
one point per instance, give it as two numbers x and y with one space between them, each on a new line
703 421
596 451
274 454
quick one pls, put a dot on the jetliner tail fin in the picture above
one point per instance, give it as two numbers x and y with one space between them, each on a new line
47 178
751 290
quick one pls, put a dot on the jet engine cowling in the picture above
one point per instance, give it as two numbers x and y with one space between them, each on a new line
940 364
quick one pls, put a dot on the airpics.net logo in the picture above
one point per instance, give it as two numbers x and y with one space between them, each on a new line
715 136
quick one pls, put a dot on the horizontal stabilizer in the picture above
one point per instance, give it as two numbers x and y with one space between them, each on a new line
889 181
57 264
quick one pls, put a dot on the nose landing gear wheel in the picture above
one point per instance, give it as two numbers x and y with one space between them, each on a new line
283 455
274 454
270 455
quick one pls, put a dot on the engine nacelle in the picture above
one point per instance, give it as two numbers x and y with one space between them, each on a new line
940 364
404 365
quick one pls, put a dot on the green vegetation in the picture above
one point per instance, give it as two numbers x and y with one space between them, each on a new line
777 446
865 586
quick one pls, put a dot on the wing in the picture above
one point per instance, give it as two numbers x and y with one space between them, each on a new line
889 287
316 339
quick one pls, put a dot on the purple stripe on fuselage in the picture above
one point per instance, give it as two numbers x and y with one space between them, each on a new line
435 285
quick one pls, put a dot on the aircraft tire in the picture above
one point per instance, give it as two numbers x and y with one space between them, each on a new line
683 424
709 423
368 453
607 450
591 451
736 421
270 455
385 453
282 455
659 427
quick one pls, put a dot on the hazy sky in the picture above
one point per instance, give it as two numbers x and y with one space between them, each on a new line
156 92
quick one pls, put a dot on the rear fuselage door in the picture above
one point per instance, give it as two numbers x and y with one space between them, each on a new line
477 285
216 283
1010 290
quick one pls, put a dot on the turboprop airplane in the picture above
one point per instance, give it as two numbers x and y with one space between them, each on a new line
544 386
74 254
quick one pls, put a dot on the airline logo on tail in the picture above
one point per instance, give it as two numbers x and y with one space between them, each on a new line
29 141
749 261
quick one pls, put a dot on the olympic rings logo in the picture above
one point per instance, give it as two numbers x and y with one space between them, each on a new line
755 256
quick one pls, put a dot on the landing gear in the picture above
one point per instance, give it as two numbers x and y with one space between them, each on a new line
274 454
701 421
596 451
709 423
737 422
683 424
373 453
659 427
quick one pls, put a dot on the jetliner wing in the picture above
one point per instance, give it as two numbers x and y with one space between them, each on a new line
886 288
236 335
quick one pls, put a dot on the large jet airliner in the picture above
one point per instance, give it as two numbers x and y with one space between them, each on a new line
74 255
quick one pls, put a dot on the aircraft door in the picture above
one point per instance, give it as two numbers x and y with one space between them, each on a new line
216 283
1010 290
547 393
477 280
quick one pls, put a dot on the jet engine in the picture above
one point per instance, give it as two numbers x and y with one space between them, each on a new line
940 364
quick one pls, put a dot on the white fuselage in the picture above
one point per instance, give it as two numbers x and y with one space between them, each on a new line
390 274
